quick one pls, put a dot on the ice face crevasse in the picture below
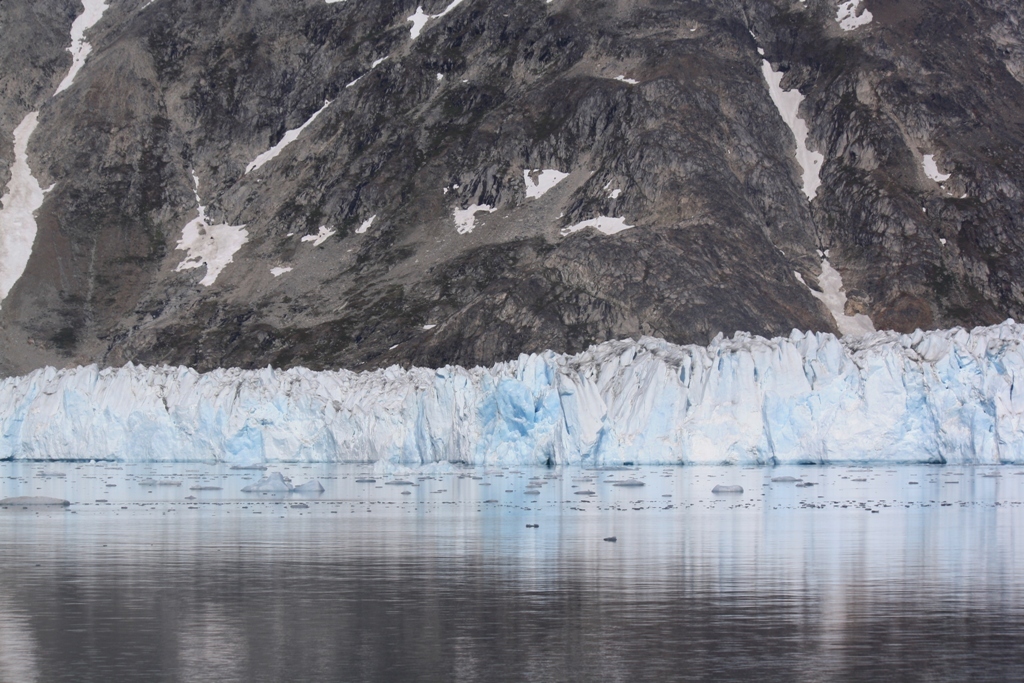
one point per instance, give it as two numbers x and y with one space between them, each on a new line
23 198
951 395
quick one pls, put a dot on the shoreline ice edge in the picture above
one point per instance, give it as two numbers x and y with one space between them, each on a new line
940 396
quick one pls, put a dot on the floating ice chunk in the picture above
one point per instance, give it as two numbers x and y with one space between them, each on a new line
205 488
366 225
288 138
788 104
848 17
80 48
465 219
727 488
626 80
321 235
34 500
834 298
786 479
211 245
275 482
311 486
280 270
546 179
630 483
606 224
17 217
931 169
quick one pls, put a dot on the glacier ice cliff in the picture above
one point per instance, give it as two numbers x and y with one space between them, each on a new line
943 396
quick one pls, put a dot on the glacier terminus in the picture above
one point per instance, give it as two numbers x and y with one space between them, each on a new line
942 396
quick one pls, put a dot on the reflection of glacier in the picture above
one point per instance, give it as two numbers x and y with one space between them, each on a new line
948 395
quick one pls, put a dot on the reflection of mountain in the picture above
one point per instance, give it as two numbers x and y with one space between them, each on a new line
499 179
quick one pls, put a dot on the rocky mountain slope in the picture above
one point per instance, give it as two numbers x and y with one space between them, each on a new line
365 182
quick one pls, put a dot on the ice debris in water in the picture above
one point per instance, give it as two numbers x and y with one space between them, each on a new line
275 482
727 488
34 500
946 395
311 486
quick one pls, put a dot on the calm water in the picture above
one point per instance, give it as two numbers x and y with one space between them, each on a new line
862 577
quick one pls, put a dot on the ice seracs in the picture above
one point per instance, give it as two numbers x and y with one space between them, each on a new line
940 396
848 17
207 244
92 12
538 181
23 198
788 103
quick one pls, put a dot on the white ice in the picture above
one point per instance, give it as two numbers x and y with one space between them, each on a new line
615 194
17 217
80 48
931 169
366 225
275 482
788 104
947 395
848 18
546 179
321 236
288 138
280 270
465 219
626 80
606 224
211 245
834 298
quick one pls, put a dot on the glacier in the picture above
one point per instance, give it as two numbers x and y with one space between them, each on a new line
940 396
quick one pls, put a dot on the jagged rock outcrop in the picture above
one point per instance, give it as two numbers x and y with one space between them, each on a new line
336 185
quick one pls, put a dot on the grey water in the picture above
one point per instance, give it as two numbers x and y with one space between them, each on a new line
905 573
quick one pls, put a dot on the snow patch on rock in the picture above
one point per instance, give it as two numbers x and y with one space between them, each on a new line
834 298
17 217
931 169
321 235
211 245
788 103
287 139
465 219
80 48
420 18
366 225
605 224
848 17
545 180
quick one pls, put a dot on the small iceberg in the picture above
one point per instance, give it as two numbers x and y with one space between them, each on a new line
629 482
275 482
249 467
311 486
34 500
204 488
727 488
788 479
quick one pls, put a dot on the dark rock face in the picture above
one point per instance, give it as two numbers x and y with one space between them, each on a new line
694 155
